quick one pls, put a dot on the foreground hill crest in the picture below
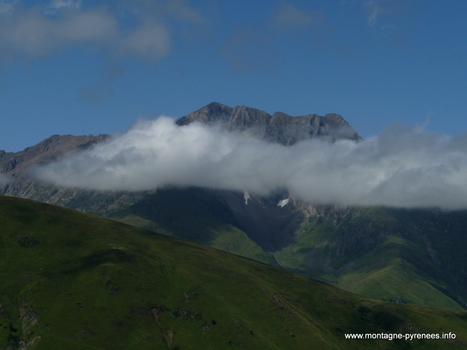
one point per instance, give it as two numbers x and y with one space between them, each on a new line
74 281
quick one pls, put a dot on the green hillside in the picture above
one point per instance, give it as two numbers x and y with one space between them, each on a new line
402 256
70 280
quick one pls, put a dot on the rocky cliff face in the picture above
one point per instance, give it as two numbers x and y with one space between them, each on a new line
279 127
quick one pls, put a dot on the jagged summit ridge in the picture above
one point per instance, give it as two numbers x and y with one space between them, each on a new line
279 127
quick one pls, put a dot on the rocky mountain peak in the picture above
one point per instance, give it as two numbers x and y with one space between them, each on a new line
213 112
243 118
280 127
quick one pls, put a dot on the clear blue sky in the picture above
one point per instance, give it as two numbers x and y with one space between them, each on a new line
90 67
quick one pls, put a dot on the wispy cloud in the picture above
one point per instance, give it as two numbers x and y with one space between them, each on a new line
150 39
289 16
374 9
142 30
30 33
62 4
181 10
38 31
403 167
378 8
7 5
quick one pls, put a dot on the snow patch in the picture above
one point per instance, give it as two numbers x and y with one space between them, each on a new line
283 203
246 197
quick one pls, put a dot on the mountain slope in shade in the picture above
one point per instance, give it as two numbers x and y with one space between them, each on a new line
70 280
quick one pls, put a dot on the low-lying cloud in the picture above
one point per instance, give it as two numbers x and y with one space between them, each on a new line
402 167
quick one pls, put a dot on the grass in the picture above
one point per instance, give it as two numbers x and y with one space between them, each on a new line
70 280
393 255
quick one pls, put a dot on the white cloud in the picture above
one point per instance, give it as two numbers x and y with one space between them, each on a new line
150 39
60 4
403 167
7 6
32 32
377 8
181 10
288 16
374 9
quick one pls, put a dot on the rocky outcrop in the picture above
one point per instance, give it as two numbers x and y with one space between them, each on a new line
279 127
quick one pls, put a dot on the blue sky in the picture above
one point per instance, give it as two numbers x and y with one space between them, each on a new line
90 67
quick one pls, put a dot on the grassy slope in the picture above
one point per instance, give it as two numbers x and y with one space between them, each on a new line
175 213
73 281
376 254
388 273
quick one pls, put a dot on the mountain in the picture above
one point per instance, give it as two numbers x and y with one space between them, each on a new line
402 256
70 280
47 151
279 127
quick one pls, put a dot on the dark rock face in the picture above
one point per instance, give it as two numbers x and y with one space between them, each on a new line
267 223
280 127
